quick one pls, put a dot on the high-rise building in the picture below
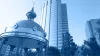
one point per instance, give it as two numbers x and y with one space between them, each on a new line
54 21
92 27
64 18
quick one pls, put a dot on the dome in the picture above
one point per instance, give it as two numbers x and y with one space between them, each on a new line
29 24
26 28
27 33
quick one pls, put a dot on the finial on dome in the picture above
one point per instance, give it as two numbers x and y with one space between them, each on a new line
31 14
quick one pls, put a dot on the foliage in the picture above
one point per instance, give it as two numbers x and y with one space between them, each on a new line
89 48
53 51
69 47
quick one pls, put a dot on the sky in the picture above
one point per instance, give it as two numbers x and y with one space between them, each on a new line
79 11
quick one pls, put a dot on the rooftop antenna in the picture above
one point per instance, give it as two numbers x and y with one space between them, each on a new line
33 2
31 14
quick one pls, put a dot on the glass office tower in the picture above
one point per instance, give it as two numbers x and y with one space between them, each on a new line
92 27
54 22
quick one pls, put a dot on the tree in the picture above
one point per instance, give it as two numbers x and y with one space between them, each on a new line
89 48
69 47
53 51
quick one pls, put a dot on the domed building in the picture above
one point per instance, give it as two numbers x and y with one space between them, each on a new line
24 35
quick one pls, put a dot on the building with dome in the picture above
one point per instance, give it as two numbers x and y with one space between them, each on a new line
23 36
